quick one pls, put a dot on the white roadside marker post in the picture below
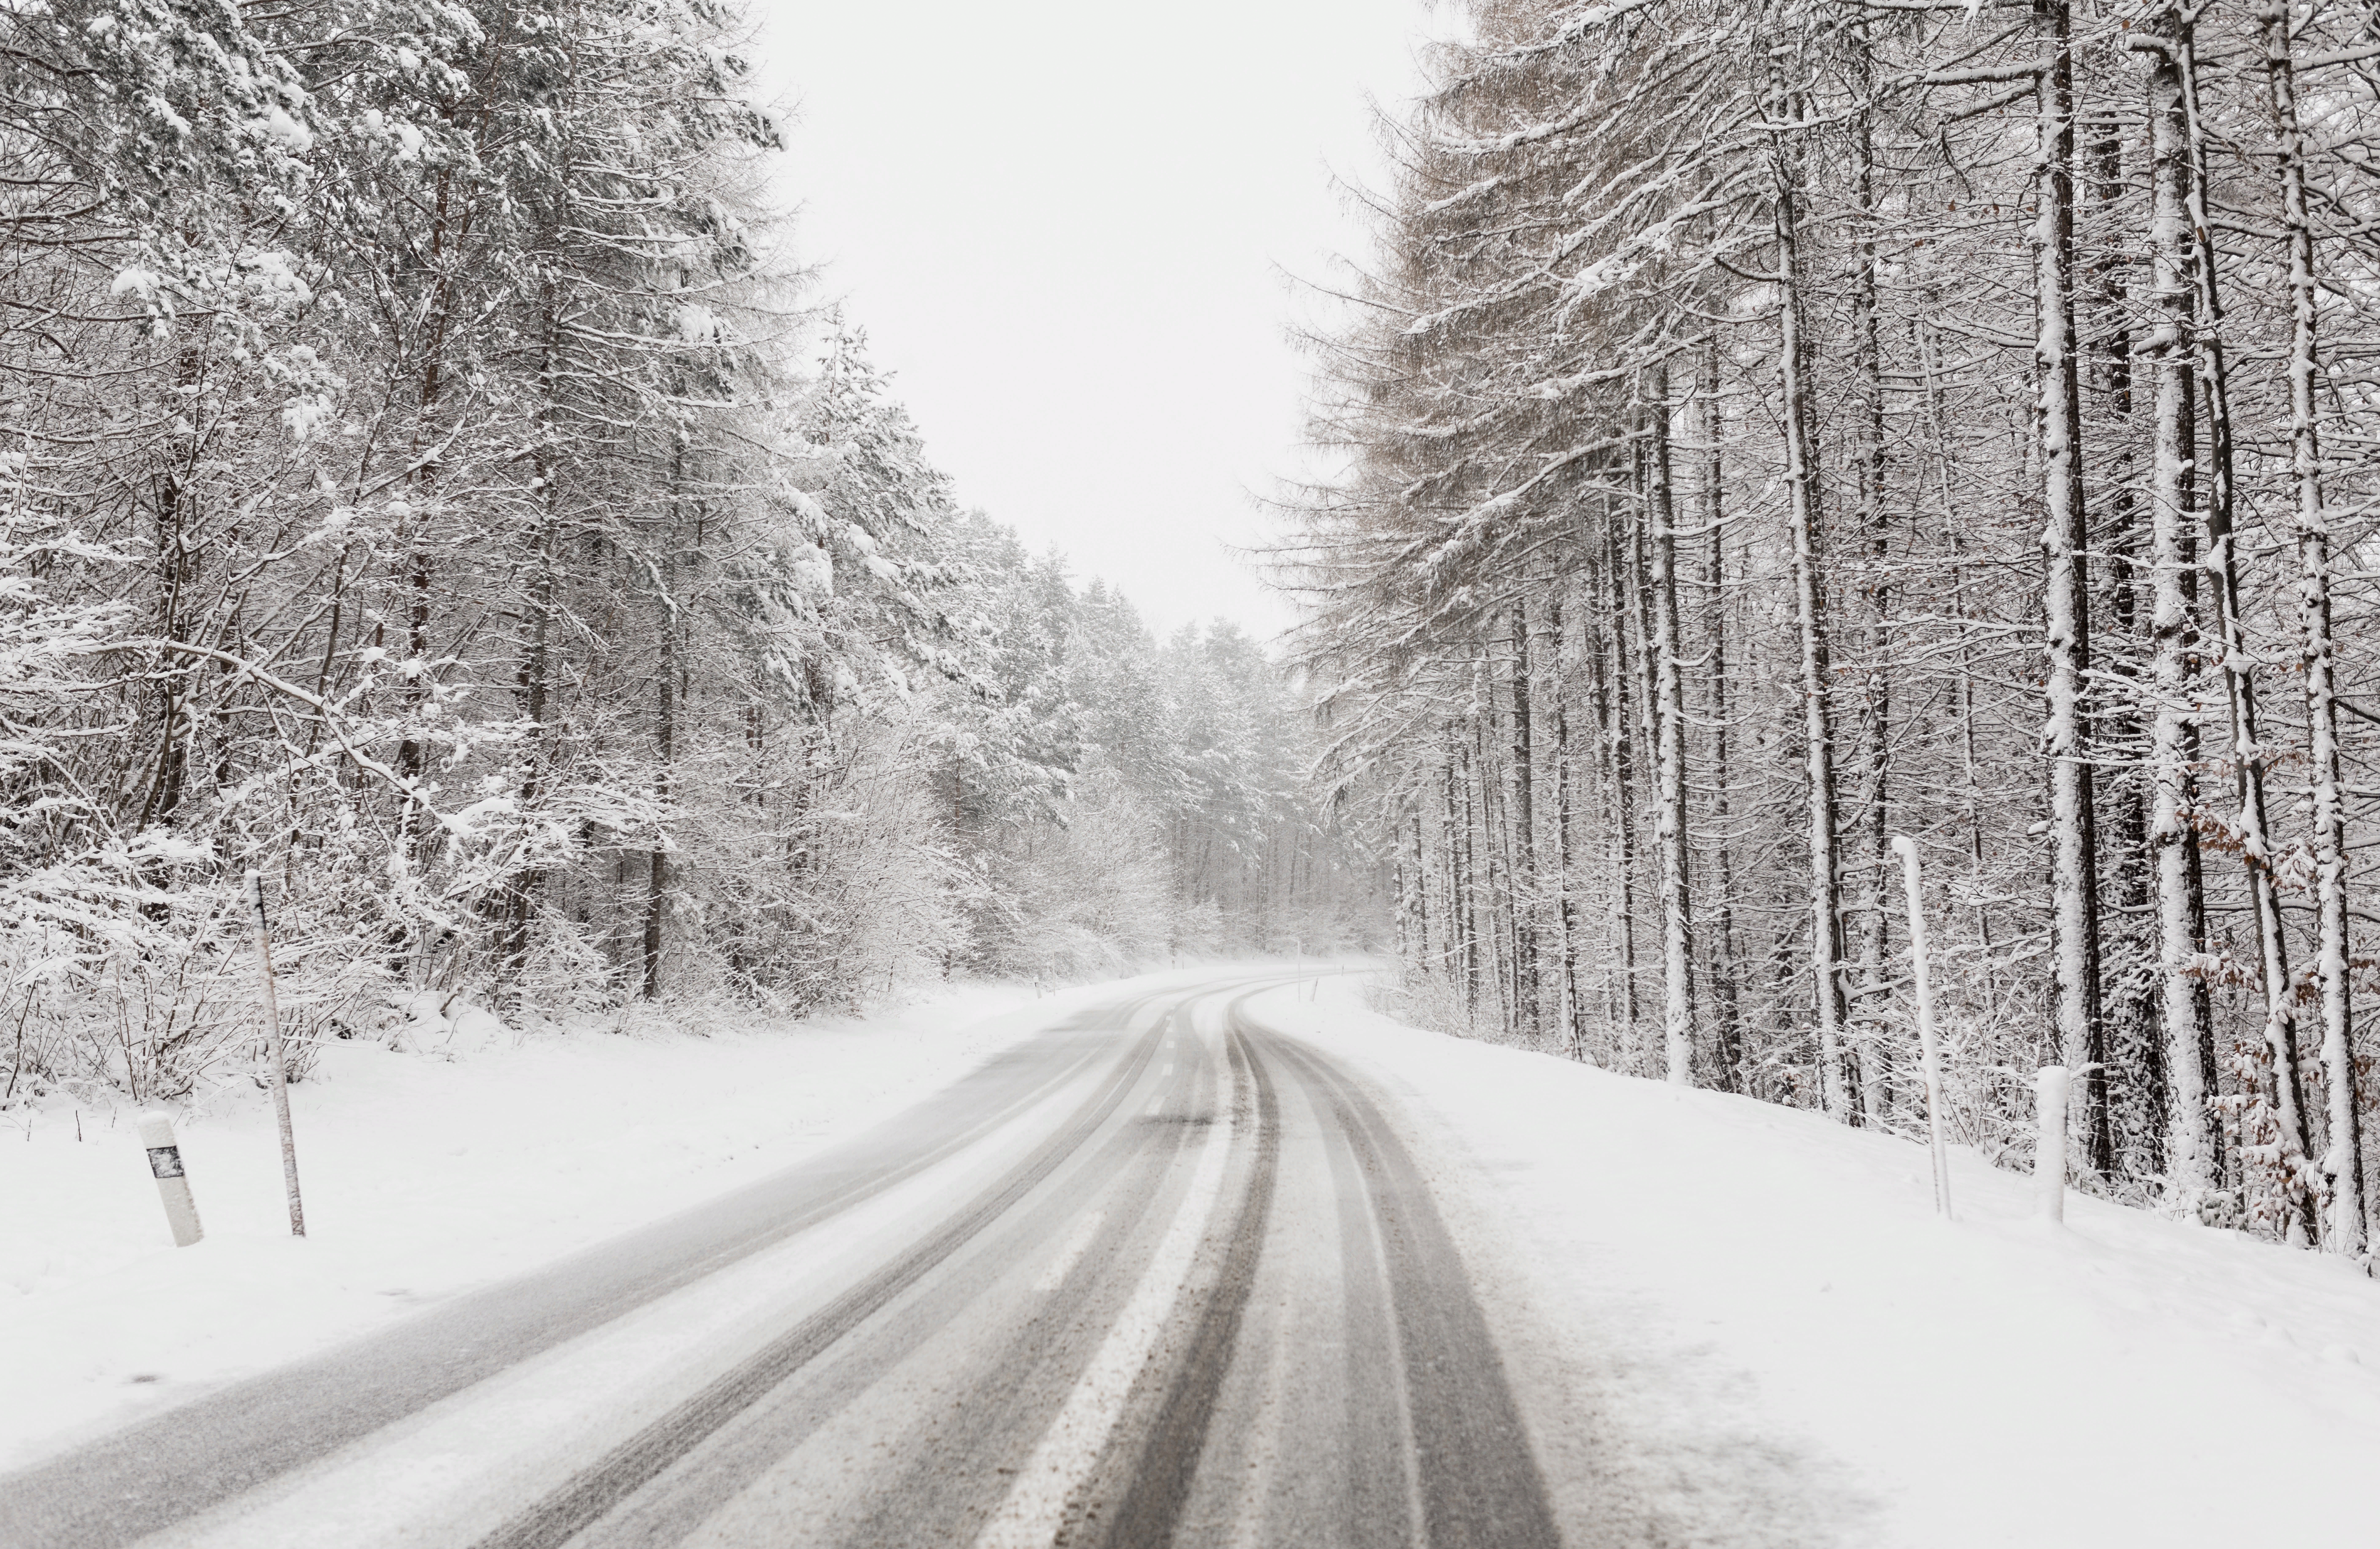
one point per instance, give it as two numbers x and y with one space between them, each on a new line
280 1066
2050 1088
172 1188
1907 848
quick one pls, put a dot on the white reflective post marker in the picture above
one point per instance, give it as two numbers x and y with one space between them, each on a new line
1907 849
172 1188
280 1064
2050 1089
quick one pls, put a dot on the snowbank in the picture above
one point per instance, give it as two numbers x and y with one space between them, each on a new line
423 1176
1785 1346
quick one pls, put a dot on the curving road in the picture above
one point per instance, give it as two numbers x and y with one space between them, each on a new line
1155 1276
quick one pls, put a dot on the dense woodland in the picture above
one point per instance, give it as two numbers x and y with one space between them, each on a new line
423 482
1772 426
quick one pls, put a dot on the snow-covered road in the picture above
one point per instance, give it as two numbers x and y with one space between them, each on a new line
1155 1275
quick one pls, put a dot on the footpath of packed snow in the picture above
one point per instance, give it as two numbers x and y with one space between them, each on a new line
1784 1345
425 1173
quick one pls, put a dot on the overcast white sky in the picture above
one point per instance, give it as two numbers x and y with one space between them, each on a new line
1064 225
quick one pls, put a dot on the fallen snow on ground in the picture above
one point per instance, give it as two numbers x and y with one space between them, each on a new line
1775 1340
425 1174
1784 1345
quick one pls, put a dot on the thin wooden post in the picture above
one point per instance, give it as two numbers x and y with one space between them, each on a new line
1907 848
2050 1089
279 1064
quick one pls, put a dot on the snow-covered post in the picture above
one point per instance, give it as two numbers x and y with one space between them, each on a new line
2049 1089
280 1066
1907 849
172 1188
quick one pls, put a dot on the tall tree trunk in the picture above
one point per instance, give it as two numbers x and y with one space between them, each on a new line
2188 1142
1469 871
1565 819
2074 889
2283 1092
1927 351
178 564
2342 1227
535 676
1417 873
2136 1055
1723 961
1669 747
1495 826
665 751
1521 791
1623 784
1593 631
1875 859
1809 597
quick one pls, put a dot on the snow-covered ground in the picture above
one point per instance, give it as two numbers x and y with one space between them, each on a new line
1783 1344
1777 1342
423 1176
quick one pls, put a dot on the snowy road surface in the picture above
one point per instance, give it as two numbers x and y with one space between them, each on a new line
1158 1274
